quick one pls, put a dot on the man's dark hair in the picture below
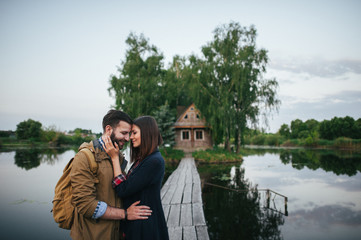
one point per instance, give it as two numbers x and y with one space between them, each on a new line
113 117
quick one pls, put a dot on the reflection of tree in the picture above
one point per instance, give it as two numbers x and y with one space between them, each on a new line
27 158
50 155
237 215
31 158
338 163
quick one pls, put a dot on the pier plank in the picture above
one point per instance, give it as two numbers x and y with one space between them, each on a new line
189 233
182 203
174 215
175 233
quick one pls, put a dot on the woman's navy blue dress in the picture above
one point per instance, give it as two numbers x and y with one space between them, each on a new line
144 183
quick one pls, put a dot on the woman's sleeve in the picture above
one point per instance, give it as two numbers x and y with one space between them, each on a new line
146 174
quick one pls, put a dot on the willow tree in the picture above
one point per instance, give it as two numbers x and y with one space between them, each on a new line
138 88
175 88
228 85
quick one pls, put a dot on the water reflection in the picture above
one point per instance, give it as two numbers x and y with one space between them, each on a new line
323 190
236 214
337 162
32 158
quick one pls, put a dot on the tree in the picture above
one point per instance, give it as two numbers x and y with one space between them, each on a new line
285 131
325 130
137 90
29 129
227 85
175 87
165 119
298 129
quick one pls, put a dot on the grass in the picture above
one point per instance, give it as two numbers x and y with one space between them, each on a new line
216 155
170 154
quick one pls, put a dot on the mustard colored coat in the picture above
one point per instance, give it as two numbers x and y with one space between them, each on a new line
87 193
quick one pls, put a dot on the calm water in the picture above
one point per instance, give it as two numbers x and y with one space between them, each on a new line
323 191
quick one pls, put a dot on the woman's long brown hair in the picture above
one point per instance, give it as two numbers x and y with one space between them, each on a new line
150 138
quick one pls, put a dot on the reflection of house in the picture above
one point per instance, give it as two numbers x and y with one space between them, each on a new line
191 131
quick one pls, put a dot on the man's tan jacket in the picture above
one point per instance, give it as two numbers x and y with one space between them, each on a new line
86 194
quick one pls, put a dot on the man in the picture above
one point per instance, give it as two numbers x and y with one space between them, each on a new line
97 208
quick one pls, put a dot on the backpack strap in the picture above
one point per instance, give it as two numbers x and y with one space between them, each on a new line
91 160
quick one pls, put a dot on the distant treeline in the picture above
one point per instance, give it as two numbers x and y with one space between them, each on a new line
327 129
339 132
32 132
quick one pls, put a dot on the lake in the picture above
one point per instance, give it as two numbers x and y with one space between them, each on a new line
322 189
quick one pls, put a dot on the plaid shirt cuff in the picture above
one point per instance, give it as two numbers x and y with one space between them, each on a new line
118 180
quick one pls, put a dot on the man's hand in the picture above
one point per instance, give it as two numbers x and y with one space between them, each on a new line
138 212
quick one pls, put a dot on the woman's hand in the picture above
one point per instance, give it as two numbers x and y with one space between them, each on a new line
110 149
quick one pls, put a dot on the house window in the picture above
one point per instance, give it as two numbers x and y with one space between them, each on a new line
185 135
186 116
199 135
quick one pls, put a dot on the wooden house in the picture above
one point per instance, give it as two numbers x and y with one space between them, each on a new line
191 131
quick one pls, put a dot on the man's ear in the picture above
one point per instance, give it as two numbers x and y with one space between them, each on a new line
108 130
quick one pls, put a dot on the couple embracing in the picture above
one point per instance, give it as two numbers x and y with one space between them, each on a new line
119 204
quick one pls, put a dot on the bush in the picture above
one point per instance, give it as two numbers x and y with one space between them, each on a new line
324 142
343 142
258 139
291 143
272 140
216 155
171 154
309 141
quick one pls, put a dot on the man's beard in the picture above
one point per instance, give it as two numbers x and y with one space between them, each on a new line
115 140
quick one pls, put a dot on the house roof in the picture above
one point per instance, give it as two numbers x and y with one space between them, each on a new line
190 118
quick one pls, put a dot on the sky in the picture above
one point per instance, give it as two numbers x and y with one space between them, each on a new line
56 57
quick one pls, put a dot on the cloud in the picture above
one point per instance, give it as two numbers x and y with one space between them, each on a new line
318 67
326 216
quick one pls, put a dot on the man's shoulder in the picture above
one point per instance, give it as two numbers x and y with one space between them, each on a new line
89 145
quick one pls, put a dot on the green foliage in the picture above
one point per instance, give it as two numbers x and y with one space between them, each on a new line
175 86
298 128
170 154
138 89
165 119
258 139
216 155
227 84
272 140
340 127
6 134
29 130
50 134
285 131
343 142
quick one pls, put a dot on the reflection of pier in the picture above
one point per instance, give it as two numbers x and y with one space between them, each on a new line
269 195
182 203
272 195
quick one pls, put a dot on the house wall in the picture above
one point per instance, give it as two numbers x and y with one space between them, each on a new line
191 144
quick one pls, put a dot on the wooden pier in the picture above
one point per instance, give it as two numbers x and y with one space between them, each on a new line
182 203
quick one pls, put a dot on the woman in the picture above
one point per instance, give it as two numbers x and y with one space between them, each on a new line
144 179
